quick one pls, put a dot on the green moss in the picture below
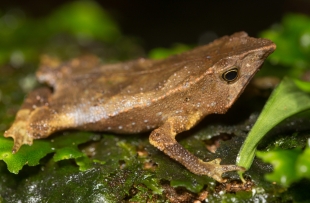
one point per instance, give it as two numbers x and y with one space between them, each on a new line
64 147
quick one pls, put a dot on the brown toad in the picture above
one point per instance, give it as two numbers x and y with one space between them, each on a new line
166 96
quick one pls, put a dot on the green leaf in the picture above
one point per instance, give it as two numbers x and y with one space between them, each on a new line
284 164
286 100
303 163
64 146
289 165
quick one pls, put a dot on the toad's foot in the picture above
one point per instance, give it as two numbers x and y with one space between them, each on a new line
21 130
214 169
18 130
164 139
36 124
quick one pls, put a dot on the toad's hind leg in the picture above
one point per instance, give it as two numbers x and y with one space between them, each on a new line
29 121
164 139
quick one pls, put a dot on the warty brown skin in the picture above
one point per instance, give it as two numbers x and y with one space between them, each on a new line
167 96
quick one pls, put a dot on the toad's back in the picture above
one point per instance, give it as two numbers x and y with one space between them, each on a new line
84 83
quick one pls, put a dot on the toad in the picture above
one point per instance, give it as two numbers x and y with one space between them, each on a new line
165 97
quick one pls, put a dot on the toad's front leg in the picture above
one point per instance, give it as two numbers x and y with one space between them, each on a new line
164 139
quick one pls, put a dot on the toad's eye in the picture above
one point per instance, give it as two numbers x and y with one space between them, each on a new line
230 75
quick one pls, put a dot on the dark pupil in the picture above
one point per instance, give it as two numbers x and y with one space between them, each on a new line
230 75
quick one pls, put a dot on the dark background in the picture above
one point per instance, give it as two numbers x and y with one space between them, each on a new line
163 22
